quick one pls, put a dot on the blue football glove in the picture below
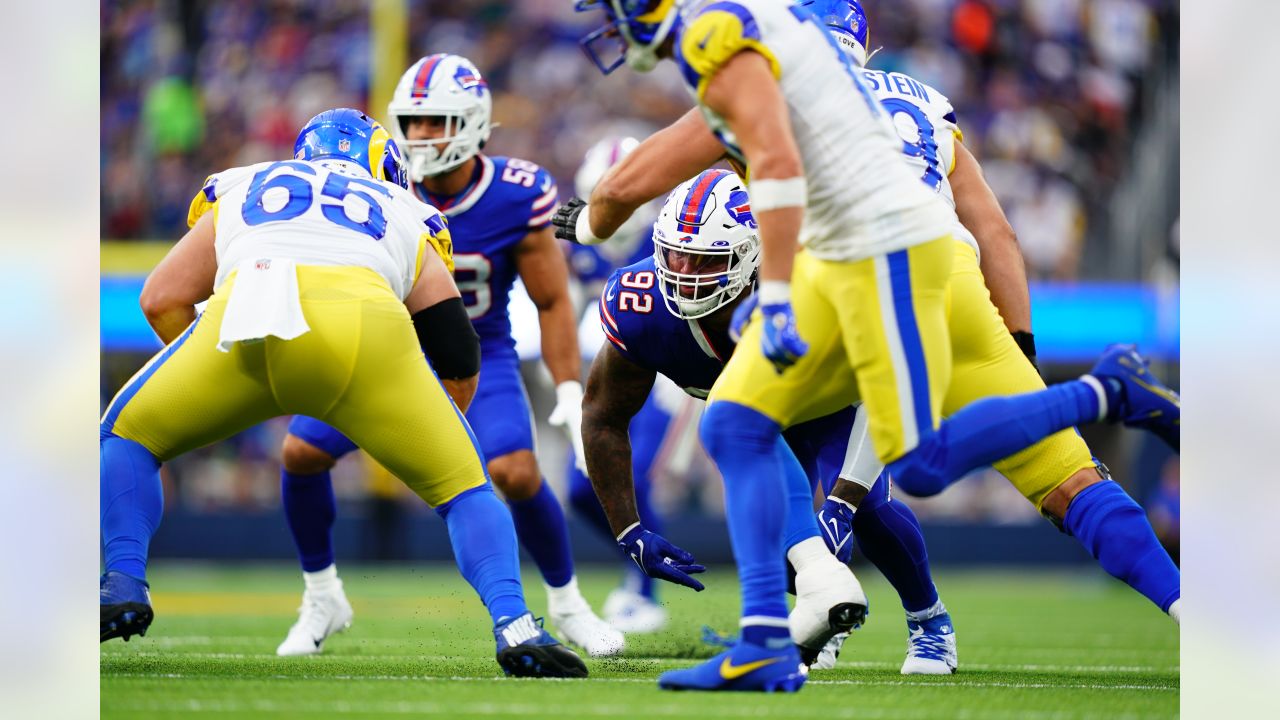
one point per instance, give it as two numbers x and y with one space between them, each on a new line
742 316
835 517
780 340
660 559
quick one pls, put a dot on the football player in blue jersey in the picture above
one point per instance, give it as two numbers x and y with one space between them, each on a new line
633 606
871 251
703 266
499 212
1058 475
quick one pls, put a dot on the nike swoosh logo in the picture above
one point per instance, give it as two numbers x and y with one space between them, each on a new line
729 671
1166 394
703 44
835 529
608 296
639 559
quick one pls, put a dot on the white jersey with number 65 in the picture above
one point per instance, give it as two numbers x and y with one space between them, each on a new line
325 212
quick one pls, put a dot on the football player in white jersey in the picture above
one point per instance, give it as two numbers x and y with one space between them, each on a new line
499 209
866 315
329 282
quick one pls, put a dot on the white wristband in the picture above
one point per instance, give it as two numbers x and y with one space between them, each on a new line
772 292
583 228
630 527
774 194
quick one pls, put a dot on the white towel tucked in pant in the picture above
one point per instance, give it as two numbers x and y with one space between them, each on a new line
264 302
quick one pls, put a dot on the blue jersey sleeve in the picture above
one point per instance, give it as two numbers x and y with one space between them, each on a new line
632 314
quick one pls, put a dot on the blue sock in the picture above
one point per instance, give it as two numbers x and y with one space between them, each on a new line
544 533
583 500
889 536
484 544
131 501
1115 531
989 430
310 509
743 444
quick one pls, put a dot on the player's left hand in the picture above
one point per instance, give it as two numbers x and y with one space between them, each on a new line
835 517
780 341
565 220
658 558
567 415
742 316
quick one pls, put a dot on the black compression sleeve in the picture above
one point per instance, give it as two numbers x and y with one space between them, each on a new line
448 339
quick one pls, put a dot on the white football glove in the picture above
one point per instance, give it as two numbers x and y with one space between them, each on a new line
568 416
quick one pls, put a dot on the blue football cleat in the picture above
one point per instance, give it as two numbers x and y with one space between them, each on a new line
125 604
1135 397
745 667
931 647
526 650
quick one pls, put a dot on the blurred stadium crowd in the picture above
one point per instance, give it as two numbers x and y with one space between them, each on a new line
1057 98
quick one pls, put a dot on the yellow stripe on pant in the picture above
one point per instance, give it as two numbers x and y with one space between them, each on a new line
877 330
360 369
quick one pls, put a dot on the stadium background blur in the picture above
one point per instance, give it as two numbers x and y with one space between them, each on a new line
1071 106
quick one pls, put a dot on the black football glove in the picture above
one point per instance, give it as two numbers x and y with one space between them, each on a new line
1027 344
566 220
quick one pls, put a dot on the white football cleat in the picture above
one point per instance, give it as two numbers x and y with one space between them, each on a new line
830 652
322 614
931 646
829 601
572 616
631 612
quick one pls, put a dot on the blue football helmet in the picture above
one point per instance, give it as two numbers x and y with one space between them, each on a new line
847 22
639 27
351 135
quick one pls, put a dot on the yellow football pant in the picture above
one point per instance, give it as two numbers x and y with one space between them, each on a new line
876 328
360 368
984 361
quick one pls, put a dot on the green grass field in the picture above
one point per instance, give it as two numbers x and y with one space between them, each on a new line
1033 645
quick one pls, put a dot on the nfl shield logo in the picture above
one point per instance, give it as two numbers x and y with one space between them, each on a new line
344 145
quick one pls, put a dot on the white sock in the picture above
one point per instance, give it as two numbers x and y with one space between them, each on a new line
322 580
809 552
566 598
1175 611
928 613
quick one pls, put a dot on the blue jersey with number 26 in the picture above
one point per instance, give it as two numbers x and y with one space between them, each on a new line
507 199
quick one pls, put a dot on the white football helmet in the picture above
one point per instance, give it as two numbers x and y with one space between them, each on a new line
599 158
706 245
446 86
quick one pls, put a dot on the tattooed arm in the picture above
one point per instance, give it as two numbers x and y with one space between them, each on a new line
616 390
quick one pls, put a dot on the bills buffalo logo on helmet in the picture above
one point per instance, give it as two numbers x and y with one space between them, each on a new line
468 80
740 208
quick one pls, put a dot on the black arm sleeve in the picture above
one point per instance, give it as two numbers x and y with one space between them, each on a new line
448 339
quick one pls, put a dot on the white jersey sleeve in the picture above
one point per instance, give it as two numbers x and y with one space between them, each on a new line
862 199
327 212
925 121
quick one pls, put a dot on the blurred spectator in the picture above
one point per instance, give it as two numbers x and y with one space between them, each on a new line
1049 94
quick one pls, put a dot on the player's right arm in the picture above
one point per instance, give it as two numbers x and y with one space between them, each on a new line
440 319
616 390
183 278
664 160
1002 264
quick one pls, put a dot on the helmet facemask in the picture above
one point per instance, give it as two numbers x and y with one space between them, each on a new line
450 89
706 247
